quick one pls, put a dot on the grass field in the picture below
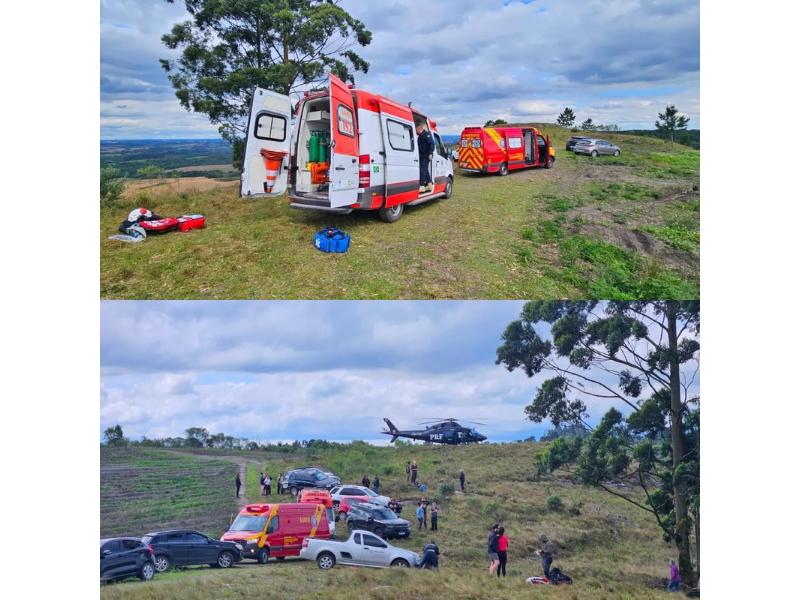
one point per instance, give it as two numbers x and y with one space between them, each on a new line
624 227
146 489
610 548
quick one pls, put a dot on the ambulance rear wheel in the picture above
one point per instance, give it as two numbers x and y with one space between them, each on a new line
391 214
263 556
549 163
448 189
503 169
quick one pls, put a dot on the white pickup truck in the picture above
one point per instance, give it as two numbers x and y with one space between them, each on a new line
362 548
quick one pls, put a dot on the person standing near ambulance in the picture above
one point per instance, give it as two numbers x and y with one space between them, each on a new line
426 146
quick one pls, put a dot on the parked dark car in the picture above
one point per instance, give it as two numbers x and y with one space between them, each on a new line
180 547
378 519
312 477
574 140
126 557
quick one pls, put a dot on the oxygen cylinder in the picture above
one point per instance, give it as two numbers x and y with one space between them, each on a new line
313 147
323 147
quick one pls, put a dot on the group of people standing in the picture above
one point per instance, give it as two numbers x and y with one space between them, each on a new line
266 484
375 486
422 515
498 550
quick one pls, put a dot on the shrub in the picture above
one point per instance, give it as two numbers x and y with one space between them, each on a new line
555 504
473 503
447 489
111 185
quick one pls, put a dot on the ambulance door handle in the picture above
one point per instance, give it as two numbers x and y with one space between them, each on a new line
416 160
340 168
382 153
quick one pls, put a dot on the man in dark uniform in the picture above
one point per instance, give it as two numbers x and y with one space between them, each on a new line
426 146
238 484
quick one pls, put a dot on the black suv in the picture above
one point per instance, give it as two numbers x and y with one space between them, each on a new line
574 140
180 547
378 519
126 557
299 479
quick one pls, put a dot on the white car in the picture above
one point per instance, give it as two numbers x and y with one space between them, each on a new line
342 491
362 549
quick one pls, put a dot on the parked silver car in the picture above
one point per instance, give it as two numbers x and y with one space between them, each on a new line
362 548
595 147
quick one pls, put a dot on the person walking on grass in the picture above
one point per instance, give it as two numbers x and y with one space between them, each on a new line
365 481
420 516
424 502
502 551
494 558
414 471
674 584
267 485
261 482
376 485
461 479
434 517
238 484
408 470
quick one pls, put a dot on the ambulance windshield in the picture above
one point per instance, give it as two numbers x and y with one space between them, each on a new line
248 523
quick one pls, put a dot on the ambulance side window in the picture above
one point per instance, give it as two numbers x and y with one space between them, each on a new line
514 143
503 144
439 145
401 136
273 525
270 127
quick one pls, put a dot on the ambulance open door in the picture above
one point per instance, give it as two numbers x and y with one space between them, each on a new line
265 169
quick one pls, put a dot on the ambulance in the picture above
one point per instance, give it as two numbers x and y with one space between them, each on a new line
345 150
503 149
277 530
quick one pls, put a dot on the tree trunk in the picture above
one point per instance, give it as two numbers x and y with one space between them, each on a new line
681 509
697 544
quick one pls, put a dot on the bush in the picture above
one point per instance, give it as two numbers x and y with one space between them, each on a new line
111 186
447 489
555 504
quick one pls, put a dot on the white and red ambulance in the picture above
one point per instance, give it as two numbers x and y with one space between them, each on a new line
346 150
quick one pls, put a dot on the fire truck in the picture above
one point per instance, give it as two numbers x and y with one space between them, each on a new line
347 150
503 149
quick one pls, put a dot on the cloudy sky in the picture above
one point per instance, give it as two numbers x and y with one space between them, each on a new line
301 370
616 61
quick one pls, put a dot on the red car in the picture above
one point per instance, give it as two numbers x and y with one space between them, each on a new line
346 501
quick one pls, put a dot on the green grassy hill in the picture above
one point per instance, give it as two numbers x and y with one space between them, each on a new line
610 548
611 227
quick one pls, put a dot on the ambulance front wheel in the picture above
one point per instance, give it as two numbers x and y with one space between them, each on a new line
448 189
503 169
391 214
549 163
263 556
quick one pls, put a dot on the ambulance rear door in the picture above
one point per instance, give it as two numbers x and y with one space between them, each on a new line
267 145
343 171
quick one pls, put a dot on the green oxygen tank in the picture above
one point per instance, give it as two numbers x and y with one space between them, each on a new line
323 147
313 147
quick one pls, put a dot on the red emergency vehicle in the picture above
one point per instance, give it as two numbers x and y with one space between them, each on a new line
346 150
503 149
277 530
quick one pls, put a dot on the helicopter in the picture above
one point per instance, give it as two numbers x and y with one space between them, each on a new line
438 431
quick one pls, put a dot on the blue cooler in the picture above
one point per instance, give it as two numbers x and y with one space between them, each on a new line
331 239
